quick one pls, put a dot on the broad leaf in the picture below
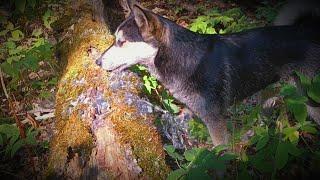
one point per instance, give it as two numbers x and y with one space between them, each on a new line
314 90
281 156
291 133
288 90
191 154
16 146
10 69
177 174
262 142
305 80
17 35
297 107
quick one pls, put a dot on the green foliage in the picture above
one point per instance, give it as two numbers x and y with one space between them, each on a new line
152 87
22 53
311 86
199 163
11 140
21 5
214 22
268 12
198 130
276 143
49 18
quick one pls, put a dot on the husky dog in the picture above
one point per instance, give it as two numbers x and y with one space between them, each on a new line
209 72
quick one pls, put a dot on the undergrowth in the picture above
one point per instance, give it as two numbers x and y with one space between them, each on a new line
27 68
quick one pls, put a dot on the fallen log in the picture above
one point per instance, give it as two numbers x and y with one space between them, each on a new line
104 129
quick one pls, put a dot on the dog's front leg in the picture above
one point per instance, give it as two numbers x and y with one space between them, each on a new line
217 127
216 124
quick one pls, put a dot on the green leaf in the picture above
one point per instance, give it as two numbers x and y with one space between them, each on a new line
198 130
218 149
4 32
37 32
293 150
16 146
53 81
168 102
288 90
305 80
262 141
171 152
281 157
197 173
45 94
297 107
314 90
15 51
228 157
309 128
9 130
20 5
48 19
31 136
31 62
10 44
147 84
191 154
13 60
169 148
10 69
17 35
177 174
291 133
254 139
10 26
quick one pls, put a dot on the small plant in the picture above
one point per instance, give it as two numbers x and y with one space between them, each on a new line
21 55
11 140
21 5
199 163
198 130
268 12
151 86
214 22
280 141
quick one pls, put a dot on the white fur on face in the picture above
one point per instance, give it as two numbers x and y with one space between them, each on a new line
128 54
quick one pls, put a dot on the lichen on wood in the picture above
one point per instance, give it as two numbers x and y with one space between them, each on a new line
100 131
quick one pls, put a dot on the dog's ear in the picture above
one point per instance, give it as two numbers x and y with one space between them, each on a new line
127 6
149 24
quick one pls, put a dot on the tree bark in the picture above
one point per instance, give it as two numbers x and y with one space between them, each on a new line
104 129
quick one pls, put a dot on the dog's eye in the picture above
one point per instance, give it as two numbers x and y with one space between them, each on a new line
120 43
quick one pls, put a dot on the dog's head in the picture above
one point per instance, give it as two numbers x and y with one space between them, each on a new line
137 39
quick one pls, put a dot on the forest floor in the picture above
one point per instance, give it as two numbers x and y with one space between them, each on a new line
32 93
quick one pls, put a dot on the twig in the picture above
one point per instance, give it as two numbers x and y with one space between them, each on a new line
3 84
33 122
18 122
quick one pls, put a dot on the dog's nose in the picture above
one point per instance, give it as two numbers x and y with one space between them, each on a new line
99 62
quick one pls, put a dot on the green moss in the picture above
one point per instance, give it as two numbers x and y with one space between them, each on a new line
72 131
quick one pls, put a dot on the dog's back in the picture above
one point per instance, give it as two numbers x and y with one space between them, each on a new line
256 58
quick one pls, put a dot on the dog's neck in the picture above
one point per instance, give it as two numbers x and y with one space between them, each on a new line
173 68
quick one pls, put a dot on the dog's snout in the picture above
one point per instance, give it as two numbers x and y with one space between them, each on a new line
99 61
